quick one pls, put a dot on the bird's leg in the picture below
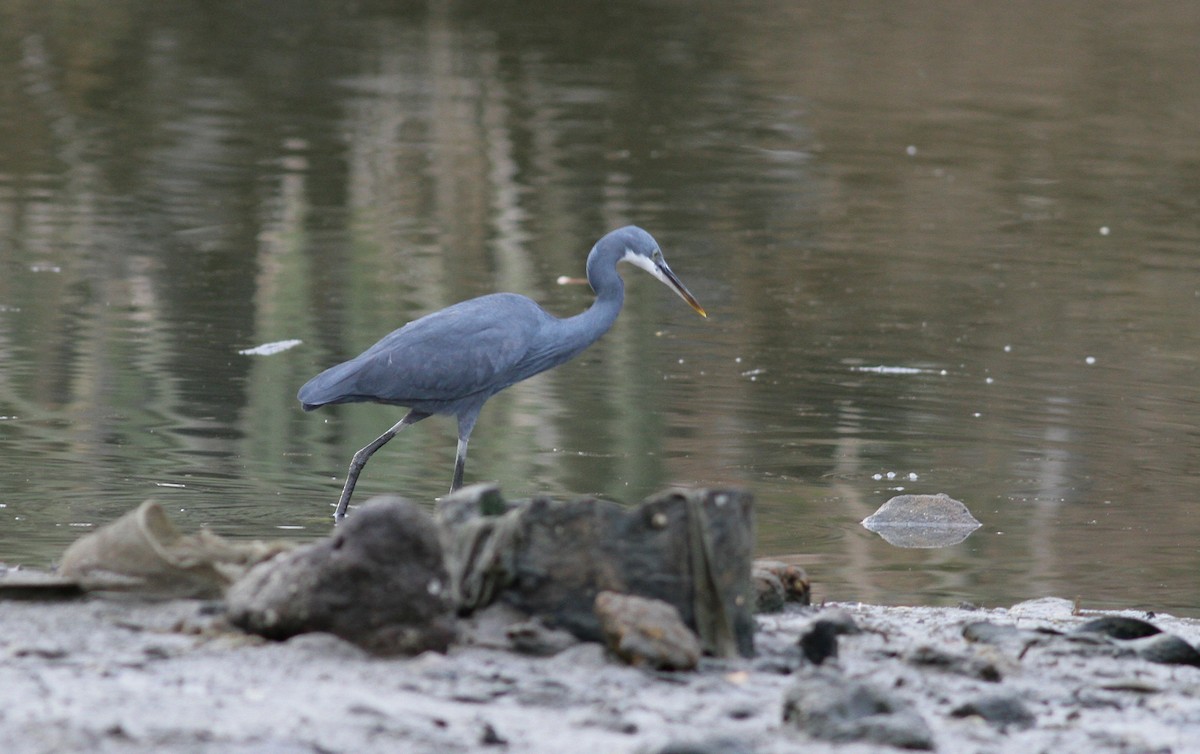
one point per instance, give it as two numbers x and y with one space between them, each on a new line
460 464
360 460
466 423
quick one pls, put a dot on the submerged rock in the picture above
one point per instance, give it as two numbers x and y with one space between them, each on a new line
378 581
922 521
646 632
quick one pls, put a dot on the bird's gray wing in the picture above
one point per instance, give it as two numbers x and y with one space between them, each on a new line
464 350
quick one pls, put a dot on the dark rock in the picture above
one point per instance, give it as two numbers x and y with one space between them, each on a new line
1119 627
1001 710
1145 639
690 549
646 632
820 642
1166 649
830 707
842 620
378 581
489 736
1113 636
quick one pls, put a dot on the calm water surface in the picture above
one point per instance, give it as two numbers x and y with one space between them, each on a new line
945 248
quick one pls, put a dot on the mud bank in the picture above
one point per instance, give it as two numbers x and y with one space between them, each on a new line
130 676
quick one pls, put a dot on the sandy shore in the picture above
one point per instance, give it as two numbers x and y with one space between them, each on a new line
127 676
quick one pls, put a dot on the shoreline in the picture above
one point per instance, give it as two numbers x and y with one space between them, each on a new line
125 675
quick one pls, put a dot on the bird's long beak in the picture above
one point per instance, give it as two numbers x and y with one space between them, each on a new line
663 273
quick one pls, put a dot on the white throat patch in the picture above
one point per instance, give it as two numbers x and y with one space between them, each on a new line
646 264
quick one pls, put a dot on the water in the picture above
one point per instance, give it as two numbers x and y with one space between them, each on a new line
945 248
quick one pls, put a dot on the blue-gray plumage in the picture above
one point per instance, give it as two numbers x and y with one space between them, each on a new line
452 361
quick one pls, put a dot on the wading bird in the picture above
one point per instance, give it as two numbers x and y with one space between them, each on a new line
450 362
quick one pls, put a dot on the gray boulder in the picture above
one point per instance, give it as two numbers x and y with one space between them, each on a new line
378 581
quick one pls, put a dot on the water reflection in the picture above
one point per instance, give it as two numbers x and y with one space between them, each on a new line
997 203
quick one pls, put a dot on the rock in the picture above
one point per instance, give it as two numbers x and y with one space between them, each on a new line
830 707
1007 636
925 656
1145 639
1118 627
378 581
502 626
719 745
792 579
1111 635
819 642
489 737
548 558
768 591
534 637
1166 649
1001 710
922 521
646 632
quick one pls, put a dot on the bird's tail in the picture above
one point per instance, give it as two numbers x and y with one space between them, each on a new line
328 387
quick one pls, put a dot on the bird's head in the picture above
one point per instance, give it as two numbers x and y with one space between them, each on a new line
641 250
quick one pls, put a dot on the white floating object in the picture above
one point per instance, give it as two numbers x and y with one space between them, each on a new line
883 369
266 349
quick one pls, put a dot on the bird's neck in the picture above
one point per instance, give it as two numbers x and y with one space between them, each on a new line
596 320
609 288
578 332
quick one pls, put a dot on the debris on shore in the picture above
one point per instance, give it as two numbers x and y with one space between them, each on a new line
524 628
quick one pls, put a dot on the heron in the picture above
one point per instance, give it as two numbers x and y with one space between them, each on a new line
452 361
